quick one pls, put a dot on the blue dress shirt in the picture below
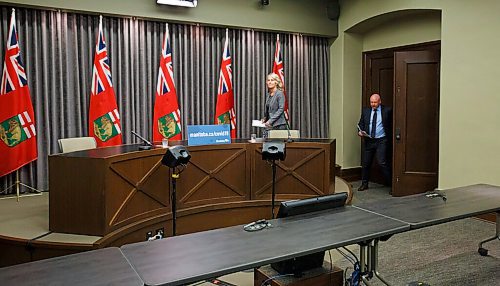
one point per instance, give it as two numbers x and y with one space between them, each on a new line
379 129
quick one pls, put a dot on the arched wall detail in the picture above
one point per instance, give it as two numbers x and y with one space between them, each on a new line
384 30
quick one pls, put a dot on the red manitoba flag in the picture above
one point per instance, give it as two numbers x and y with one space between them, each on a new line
104 119
17 118
167 116
224 110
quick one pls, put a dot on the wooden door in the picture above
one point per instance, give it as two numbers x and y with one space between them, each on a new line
379 78
416 122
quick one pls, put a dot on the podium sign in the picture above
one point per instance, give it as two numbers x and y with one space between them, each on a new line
208 134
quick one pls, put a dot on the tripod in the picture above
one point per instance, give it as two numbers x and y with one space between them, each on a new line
272 151
175 176
174 157
273 194
17 184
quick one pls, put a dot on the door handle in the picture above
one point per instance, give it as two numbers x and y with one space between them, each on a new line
398 133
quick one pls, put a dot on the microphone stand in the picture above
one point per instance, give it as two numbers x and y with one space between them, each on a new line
289 140
175 176
273 194
271 154
146 144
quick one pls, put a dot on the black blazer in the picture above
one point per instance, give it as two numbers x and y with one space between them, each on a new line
364 121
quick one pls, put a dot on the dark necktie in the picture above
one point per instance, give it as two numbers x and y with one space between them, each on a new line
374 124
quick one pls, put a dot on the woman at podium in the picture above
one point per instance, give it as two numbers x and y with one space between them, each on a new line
274 117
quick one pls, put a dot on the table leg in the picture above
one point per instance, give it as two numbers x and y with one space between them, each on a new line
363 249
369 262
375 262
484 251
366 273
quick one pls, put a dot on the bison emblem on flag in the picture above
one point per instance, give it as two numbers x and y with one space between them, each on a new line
106 126
169 125
224 118
16 129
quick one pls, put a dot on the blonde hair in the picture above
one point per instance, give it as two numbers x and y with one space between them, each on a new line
277 79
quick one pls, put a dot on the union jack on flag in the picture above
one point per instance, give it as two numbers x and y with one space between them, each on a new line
101 75
224 111
278 68
14 75
166 72
226 74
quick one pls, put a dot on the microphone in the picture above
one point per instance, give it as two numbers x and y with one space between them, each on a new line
435 194
289 140
146 144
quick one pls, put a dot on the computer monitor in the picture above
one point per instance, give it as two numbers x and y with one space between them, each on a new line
300 264
296 207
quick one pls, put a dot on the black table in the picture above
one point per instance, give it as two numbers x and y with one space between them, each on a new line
421 211
105 266
198 256
432 208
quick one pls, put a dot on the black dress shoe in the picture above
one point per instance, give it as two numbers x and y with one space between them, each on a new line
363 187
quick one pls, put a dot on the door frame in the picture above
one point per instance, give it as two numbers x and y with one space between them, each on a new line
368 57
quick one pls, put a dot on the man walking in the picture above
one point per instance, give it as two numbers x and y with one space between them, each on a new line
375 126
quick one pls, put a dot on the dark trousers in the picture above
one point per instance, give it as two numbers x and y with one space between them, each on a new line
379 148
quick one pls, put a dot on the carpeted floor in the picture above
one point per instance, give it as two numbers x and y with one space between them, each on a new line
443 255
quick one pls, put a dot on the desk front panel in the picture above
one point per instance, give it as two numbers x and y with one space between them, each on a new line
305 172
97 192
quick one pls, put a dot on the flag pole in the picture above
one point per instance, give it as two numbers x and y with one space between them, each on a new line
17 184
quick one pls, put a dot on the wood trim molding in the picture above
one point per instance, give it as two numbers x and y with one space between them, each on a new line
350 174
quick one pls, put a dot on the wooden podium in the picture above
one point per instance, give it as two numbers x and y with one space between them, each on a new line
118 190
328 275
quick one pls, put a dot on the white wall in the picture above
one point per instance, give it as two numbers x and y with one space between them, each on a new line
408 30
470 81
372 34
307 17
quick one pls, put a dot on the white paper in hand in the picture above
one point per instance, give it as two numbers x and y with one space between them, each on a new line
257 123
363 132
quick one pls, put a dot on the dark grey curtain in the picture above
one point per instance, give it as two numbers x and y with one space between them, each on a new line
58 49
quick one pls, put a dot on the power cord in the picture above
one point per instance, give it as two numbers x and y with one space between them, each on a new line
354 280
266 282
155 237
347 281
331 267
350 259
257 225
